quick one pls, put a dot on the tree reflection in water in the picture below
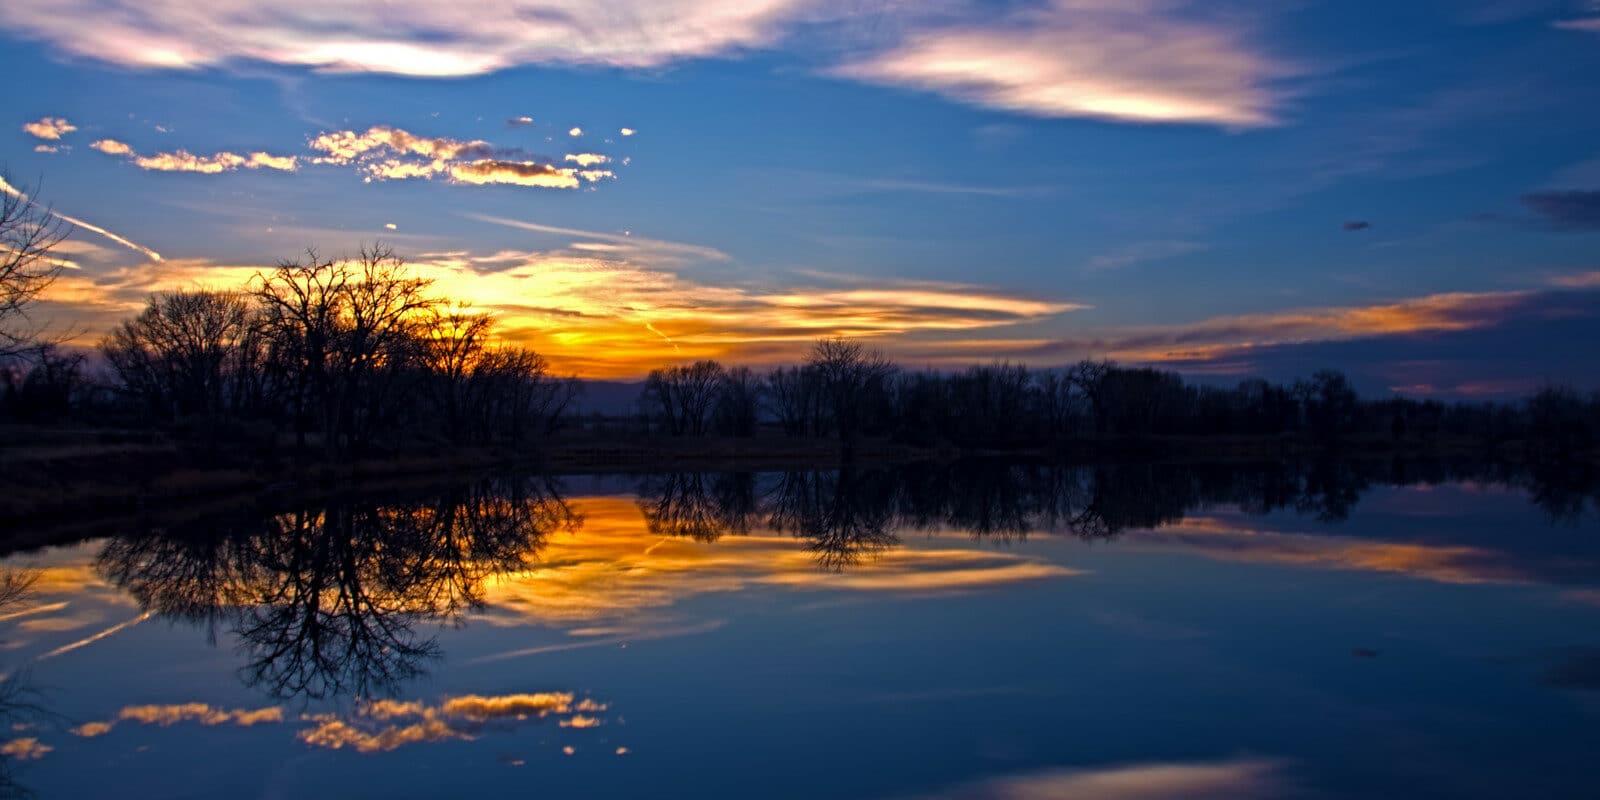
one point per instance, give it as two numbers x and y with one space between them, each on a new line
330 597
326 599
848 514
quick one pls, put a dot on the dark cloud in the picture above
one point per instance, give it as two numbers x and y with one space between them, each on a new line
1357 225
1570 209
1578 668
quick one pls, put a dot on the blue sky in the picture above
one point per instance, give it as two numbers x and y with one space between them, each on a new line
1222 187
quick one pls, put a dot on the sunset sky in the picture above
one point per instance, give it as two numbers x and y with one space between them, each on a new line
1408 191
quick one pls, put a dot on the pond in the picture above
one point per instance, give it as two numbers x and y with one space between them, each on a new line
977 629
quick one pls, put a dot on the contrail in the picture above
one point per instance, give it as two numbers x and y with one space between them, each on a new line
88 640
668 339
664 633
44 609
154 256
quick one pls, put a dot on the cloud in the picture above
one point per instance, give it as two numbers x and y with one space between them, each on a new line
1569 209
588 301
519 173
1356 225
622 577
89 730
1455 555
408 37
1240 779
25 749
1133 60
184 161
51 128
384 725
1141 252
344 147
628 131
1589 24
1454 311
575 132
112 147
387 153
46 148
626 242
587 159
1581 280
517 122
1127 60
199 712
371 727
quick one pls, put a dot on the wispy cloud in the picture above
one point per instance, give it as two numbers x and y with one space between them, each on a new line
1130 60
408 37
1240 779
1139 252
51 128
609 305
1566 209
1587 24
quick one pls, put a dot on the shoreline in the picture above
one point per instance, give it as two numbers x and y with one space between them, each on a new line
81 475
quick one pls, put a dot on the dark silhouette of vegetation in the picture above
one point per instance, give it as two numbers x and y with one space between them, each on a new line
846 392
29 232
346 355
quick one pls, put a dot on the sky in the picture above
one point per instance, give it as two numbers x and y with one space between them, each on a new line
1406 191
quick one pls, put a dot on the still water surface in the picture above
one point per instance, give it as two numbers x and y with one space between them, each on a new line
976 630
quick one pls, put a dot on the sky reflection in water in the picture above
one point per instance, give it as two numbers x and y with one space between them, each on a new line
972 630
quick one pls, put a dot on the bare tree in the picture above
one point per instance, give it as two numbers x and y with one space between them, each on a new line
683 396
188 352
850 375
339 332
738 405
28 233
793 395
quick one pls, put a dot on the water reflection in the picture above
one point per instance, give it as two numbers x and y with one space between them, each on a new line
22 706
343 595
847 514
684 599
326 599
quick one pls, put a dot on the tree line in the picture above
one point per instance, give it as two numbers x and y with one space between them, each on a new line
350 354
846 390
343 354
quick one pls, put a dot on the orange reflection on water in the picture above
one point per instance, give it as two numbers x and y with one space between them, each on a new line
1216 538
614 569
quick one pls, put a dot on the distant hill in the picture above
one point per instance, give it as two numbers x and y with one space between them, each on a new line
609 398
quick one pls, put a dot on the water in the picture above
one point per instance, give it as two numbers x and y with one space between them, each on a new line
977 630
